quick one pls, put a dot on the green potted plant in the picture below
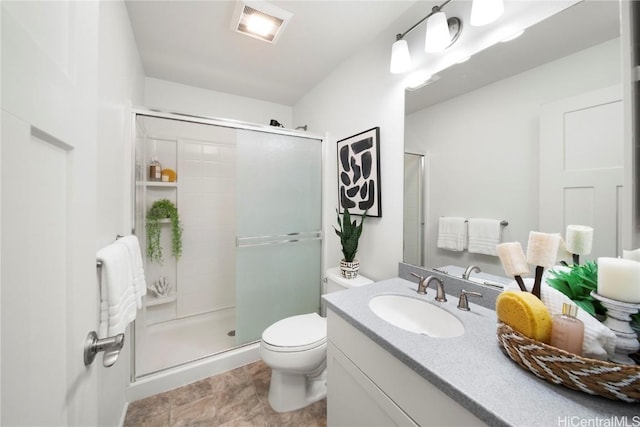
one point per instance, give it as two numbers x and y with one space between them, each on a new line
349 235
160 211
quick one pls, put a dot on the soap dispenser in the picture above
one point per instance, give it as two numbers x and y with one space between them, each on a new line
567 331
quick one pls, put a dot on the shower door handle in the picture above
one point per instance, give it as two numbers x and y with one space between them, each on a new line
276 239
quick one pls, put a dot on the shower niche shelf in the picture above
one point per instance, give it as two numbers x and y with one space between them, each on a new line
158 308
160 184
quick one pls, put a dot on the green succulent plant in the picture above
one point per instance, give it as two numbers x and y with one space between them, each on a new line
349 234
160 210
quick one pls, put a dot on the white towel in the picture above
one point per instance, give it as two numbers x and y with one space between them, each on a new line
139 282
117 296
484 235
599 341
452 233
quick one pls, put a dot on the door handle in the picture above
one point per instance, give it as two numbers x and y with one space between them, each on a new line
110 345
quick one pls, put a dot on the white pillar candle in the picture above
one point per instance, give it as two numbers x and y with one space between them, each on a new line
619 279
512 258
542 249
579 239
632 255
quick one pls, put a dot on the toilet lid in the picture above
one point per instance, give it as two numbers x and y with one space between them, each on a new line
296 331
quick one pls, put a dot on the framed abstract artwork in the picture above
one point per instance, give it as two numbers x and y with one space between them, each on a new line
359 173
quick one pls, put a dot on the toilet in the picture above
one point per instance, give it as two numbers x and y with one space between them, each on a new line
295 349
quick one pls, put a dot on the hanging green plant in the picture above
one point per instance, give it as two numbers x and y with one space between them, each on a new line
161 210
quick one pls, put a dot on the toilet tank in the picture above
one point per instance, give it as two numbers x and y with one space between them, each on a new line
335 281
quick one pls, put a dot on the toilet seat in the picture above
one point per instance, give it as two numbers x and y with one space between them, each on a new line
296 333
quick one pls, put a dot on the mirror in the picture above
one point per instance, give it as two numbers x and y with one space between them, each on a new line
478 125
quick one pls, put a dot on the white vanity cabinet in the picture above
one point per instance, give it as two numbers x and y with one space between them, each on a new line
367 386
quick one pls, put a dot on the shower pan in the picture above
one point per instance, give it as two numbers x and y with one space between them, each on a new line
248 199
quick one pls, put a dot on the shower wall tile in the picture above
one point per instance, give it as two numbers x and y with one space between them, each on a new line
190 151
207 204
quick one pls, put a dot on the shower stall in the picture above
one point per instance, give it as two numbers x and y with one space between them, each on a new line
248 200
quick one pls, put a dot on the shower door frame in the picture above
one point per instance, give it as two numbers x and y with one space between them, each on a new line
213 121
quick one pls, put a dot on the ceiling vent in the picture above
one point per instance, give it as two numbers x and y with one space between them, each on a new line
259 19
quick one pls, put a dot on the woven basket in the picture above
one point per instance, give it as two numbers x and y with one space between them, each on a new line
610 380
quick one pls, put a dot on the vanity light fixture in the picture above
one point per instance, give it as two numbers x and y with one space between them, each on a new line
437 36
441 33
260 20
400 58
484 12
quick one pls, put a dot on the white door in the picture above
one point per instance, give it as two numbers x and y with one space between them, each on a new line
48 287
581 167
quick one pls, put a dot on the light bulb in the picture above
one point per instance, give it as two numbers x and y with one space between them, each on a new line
438 37
260 25
400 58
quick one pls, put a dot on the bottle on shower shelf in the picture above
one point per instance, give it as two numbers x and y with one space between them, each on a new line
155 170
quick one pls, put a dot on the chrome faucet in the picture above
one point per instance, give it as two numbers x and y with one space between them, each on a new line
423 284
470 270
463 302
422 287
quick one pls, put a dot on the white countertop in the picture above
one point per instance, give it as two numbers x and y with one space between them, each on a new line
473 369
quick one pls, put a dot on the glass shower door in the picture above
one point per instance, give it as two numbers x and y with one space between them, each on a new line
279 238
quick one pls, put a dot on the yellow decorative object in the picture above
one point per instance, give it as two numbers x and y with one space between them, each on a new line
170 174
525 313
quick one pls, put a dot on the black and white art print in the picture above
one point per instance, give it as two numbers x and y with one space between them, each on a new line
359 173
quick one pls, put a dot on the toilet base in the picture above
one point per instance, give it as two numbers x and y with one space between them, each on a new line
288 392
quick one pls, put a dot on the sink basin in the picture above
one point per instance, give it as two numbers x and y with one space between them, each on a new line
417 316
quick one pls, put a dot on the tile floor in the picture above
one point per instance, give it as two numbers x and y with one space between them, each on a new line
234 398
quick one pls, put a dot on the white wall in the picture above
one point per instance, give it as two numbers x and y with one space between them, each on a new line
358 95
178 98
483 147
120 85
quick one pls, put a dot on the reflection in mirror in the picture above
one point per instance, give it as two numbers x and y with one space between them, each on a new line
413 208
480 125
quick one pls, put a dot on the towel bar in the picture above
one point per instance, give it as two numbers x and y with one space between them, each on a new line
503 223
99 263
110 345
